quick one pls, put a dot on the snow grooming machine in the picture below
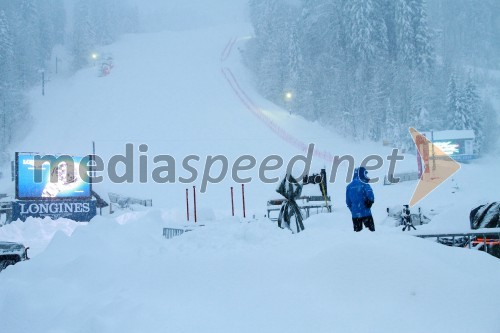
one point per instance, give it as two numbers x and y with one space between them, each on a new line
485 216
12 253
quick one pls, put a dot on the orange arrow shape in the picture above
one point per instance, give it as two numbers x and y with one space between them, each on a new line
439 166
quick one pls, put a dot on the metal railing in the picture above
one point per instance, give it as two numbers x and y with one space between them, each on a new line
5 208
124 201
403 177
172 232
305 203
476 237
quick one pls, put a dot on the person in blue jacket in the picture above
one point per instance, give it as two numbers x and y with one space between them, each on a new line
360 198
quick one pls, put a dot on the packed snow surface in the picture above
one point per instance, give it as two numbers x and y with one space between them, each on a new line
120 275
185 91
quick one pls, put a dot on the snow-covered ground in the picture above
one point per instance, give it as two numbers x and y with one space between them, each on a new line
120 275
184 91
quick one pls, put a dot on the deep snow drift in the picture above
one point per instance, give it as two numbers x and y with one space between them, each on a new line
185 92
120 275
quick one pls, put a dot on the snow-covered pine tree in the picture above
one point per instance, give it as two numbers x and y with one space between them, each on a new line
84 35
423 119
293 67
392 127
344 47
377 107
405 34
27 43
51 25
273 25
461 118
6 56
387 13
104 19
451 102
490 128
319 27
360 28
365 29
7 53
472 107
413 39
424 53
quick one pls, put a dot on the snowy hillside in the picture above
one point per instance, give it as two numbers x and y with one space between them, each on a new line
180 93
185 91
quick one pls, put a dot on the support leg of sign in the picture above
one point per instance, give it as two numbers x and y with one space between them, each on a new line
243 198
232 201
187 204
194 203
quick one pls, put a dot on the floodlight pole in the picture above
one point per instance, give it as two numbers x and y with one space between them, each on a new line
43 83
433 155
288 100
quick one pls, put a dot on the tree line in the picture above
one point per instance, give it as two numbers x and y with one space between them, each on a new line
29 31
373 68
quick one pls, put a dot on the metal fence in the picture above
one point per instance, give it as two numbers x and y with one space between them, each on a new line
124 201
403 177
472 239
307 205
172 232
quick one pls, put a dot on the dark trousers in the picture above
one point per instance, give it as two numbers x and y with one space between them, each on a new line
367 221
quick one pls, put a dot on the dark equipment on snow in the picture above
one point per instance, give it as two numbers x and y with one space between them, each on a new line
319 179
291 190
480 240
100 202
406 216
485 216
416 218
308 203
11 253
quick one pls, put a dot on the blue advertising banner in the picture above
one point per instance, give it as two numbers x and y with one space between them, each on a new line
51 177
76 210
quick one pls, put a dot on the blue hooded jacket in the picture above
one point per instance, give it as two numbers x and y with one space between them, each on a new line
359 194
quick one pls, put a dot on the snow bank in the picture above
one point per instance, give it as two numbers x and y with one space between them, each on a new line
120 275
37 233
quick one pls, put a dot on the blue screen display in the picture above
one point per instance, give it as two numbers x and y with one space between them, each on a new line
56 177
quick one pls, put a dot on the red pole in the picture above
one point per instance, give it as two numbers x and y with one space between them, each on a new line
194 203
232 201
243 196
419 164
187 204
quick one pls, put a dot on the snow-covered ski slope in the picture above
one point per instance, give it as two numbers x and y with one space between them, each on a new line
184 91
180 92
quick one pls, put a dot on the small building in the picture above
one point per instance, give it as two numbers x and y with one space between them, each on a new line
458 144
